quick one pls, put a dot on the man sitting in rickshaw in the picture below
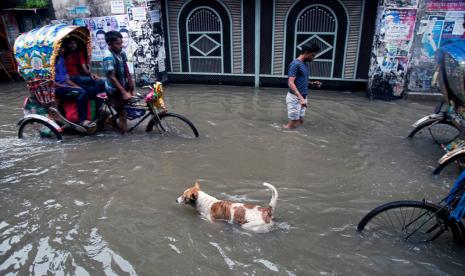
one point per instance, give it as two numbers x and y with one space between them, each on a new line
66 88
77 67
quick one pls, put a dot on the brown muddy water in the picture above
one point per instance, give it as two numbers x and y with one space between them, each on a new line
105 204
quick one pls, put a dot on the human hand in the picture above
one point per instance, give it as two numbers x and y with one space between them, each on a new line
303 102
317 83
126 95
94 77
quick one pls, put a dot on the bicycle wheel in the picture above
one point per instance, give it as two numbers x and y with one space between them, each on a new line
35 129
459 159
442 132
412 221
172 124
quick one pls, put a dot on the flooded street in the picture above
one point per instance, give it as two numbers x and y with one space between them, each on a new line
105 204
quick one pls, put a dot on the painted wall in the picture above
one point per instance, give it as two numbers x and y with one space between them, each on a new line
438 24
140 23
408 33
395 25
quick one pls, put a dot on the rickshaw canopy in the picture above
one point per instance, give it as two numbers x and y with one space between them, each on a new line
36 50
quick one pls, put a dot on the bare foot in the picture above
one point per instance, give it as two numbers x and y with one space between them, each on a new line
289 126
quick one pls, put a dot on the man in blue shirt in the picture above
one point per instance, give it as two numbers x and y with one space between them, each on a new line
298 75
66 88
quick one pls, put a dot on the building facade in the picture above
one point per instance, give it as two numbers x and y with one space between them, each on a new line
385 47
234 41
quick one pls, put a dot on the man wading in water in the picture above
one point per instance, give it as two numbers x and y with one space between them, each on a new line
296 98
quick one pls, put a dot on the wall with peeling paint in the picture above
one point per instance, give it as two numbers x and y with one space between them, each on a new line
408 33
141 20
437 26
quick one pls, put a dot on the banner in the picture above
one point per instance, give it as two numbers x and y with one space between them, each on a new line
445 5
98 26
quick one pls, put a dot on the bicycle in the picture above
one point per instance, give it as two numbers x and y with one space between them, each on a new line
419 221
51 123
440 126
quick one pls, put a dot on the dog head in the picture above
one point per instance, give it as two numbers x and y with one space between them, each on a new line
190 195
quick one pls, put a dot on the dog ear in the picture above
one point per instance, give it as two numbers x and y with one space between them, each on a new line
197 185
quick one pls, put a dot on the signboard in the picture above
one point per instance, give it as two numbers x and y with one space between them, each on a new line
445 5
117 6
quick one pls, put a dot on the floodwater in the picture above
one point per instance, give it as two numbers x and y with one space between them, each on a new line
105 204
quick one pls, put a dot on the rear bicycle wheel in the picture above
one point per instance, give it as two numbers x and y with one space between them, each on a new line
38 130
411 221
442 132
172 124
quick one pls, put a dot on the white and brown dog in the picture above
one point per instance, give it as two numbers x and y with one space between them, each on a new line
250 217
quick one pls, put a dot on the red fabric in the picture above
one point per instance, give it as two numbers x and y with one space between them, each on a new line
71 111
73 63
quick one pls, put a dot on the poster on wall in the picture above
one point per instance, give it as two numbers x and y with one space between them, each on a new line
398 27
432 36
391 47
445 5
117 6
98 26
138 13
401 3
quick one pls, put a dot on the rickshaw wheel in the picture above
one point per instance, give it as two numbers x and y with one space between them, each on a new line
35 129
171 124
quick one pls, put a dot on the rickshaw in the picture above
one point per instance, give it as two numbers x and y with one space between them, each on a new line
44 115
447 124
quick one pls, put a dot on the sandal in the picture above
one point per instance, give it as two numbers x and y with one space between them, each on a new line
88 124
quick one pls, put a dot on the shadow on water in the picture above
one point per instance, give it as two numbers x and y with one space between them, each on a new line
105 204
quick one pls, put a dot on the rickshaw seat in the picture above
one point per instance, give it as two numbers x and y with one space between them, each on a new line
102 96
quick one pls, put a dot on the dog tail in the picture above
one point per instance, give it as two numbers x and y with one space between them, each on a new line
274 196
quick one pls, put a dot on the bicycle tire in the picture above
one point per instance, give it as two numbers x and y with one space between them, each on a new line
42 129
454 159
418 227
436 137
168 127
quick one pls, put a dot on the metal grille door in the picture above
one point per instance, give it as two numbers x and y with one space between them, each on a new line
204 38
318 25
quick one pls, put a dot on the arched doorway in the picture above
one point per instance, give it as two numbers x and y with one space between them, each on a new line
311 21
205 37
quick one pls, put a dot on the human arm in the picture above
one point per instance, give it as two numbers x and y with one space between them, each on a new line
70 83
85 67
295 91
86 71
114 81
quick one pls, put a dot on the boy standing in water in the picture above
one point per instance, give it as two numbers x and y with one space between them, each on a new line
298 75
119 80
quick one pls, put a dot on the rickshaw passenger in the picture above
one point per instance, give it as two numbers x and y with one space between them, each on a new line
119 80
78 70
65 88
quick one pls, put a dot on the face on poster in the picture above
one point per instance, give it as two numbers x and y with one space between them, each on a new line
98 26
